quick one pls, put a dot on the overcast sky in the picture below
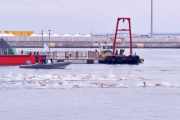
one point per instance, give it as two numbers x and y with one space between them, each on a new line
70 16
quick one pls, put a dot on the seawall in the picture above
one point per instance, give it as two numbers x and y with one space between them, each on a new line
81 44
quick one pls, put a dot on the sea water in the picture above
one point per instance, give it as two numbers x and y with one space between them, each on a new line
95 91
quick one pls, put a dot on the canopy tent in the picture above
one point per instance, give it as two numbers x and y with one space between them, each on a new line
45 35
66 35
5 35
11 35
76 35
56 35
34 35
88 35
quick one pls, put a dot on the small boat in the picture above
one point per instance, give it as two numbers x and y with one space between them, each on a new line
59 65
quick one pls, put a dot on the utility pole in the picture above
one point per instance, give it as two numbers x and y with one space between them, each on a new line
49 43
151 18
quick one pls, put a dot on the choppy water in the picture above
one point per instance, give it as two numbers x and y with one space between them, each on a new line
95 92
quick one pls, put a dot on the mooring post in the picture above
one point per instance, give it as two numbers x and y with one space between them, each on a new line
65 54
88 54
76 54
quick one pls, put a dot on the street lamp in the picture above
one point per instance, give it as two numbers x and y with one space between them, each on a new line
42 40
49 43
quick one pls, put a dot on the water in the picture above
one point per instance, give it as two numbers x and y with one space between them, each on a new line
95 92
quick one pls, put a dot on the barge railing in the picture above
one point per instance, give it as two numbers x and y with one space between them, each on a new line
65 54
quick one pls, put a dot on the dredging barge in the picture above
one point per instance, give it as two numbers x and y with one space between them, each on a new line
107 56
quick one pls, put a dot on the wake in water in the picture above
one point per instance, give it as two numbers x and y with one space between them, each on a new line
30 81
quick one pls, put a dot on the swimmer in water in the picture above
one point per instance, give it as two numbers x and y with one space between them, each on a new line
158 84
60 83
75 86
120 79
144 83
32 83
42 84
74 75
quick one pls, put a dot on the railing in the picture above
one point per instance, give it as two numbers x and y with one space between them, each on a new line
75 54
64 54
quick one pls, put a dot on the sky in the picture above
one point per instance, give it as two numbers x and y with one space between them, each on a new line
86 16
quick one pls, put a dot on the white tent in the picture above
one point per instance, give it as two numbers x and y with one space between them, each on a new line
34 35
66 35
6 35
45 35
1 35
11 35
77 35
88 35
56 35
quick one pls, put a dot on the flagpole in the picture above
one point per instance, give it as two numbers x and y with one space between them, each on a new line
42 41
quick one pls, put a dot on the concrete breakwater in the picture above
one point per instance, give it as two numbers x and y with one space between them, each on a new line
94 43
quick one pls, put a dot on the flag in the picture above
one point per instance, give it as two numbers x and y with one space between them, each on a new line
45 46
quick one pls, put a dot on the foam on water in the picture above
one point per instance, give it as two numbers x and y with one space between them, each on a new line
62 81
